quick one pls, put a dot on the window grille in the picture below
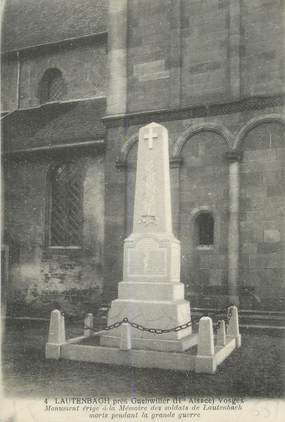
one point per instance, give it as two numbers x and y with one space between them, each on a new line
51 86
66 206
205 229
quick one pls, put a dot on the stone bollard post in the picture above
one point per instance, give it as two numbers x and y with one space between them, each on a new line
205 361
233 327
125 341
56 335
221 334
88 322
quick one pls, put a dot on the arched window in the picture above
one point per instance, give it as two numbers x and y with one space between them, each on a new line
51 86
65 216
204 229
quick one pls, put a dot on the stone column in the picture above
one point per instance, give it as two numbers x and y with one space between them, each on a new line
114 234
175 164
117 56
233 233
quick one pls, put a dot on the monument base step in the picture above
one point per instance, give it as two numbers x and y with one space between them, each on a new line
131 358
158 344
201 352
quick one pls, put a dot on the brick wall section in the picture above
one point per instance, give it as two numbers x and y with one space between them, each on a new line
83 69
40 278
262 48
262 215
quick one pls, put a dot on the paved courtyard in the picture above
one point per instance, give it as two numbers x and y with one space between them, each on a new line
255 370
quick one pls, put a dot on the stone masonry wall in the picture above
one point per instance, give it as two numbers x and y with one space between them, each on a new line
41 278
204 186
153 54
198 52
262 224
83 69
204 51
262 42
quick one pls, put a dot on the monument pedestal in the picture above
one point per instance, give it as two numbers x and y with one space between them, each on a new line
151 294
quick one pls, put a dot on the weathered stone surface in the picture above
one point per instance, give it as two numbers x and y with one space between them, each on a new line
56 335
262 224
205 355
88 324
151 291
271 236
221 334
44 278
233 326
125 341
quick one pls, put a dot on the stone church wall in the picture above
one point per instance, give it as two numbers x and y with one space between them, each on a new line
83 71
262 41
42 277
262 224
196 52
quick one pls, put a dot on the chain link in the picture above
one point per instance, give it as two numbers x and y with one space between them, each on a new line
188 324
218 324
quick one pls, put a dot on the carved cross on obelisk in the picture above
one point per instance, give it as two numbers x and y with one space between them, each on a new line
152 210
150 137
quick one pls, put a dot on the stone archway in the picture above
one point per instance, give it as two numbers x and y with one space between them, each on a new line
261 222
203 184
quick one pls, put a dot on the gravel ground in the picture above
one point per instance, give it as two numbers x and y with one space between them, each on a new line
254 370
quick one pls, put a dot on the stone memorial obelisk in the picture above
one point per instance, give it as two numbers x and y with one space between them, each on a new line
151 293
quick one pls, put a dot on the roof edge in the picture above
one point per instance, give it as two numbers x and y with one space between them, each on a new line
70 42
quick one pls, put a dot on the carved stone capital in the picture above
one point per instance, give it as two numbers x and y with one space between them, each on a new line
176 162
233 156
122 165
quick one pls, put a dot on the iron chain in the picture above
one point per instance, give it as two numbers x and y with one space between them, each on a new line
188 324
